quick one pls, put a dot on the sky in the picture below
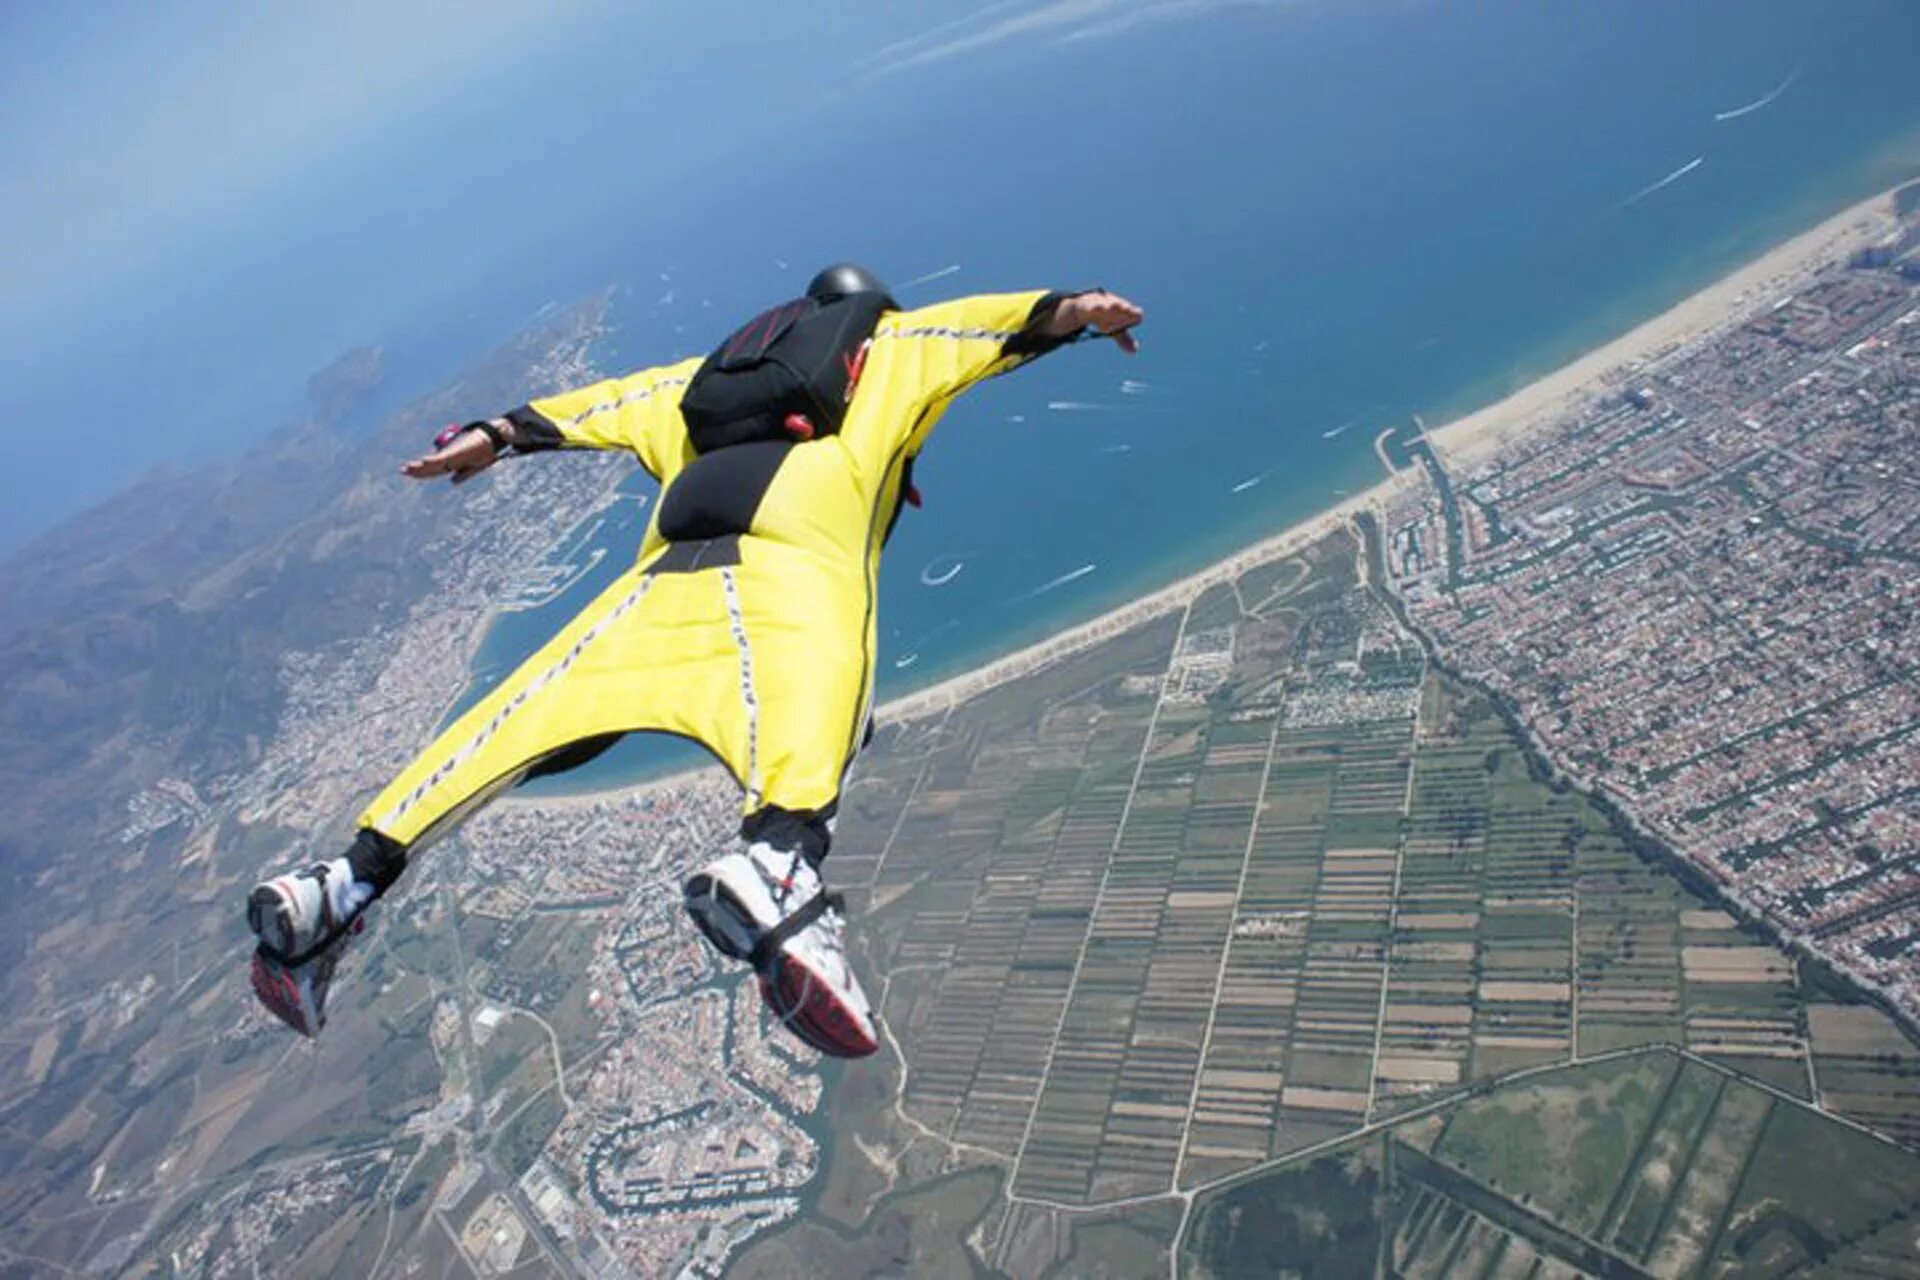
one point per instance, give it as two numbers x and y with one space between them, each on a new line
207 202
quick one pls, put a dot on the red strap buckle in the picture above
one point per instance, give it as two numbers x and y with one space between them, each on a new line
799 426
856 365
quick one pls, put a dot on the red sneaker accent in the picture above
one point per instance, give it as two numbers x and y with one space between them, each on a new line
279 993
809 1007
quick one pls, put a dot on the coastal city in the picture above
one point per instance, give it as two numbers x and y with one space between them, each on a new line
1698 593
1255 863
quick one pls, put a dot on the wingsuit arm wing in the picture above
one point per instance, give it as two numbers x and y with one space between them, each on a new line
921 359
639 413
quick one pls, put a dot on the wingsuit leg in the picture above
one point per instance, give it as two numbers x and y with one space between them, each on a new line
774 693
768 904
304 919
620 665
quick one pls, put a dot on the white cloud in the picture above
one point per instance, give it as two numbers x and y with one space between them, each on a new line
885 56
1055 22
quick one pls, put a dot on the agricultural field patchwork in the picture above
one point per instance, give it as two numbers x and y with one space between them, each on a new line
1255 877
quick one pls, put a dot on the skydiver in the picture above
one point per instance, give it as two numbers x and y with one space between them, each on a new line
747 623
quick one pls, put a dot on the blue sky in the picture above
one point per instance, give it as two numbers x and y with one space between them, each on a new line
208 201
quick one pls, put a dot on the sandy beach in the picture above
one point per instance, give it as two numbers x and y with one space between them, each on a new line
1469 440
1464 442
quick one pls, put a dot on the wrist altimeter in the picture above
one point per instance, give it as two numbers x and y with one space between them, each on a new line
454 430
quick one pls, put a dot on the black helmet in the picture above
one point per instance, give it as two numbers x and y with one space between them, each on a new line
843 278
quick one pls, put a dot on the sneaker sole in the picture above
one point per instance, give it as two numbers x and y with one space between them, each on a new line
270 916
808 1005
278 991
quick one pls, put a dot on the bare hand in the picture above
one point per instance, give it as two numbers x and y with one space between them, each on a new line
465 457
1109 313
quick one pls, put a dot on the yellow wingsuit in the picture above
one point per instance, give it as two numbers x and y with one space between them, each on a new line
760 646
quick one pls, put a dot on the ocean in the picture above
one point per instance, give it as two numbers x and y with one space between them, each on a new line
1335 217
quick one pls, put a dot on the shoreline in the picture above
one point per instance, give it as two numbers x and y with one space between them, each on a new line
1463 443
938 697
1470 439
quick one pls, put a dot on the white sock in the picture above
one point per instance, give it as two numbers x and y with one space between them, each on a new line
345 895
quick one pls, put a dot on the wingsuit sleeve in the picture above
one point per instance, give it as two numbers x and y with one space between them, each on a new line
922 359
639 413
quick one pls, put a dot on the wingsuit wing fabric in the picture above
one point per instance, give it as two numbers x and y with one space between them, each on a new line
759 644
639 413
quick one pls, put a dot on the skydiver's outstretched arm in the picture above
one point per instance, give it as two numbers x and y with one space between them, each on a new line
921 360
639 413
464 457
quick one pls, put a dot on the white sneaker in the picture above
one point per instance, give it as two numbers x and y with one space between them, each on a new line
303 920
768 906
303 911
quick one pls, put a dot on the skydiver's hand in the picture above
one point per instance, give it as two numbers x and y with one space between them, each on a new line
465 456
1109 313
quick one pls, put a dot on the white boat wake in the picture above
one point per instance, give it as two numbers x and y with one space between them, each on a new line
1134 387
931 276
1764 100
1080 406
1667 181
1118 448
1070 576
906 660
928 578
1249 482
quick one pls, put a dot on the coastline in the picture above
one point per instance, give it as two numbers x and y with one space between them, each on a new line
1464 443
1464 440
938 697
1468 441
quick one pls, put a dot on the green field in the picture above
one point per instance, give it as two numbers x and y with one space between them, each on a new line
1614 1169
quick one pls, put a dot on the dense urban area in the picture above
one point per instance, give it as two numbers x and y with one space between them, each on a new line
1699 595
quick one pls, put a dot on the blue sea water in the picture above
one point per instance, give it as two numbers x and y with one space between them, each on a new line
1336 217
